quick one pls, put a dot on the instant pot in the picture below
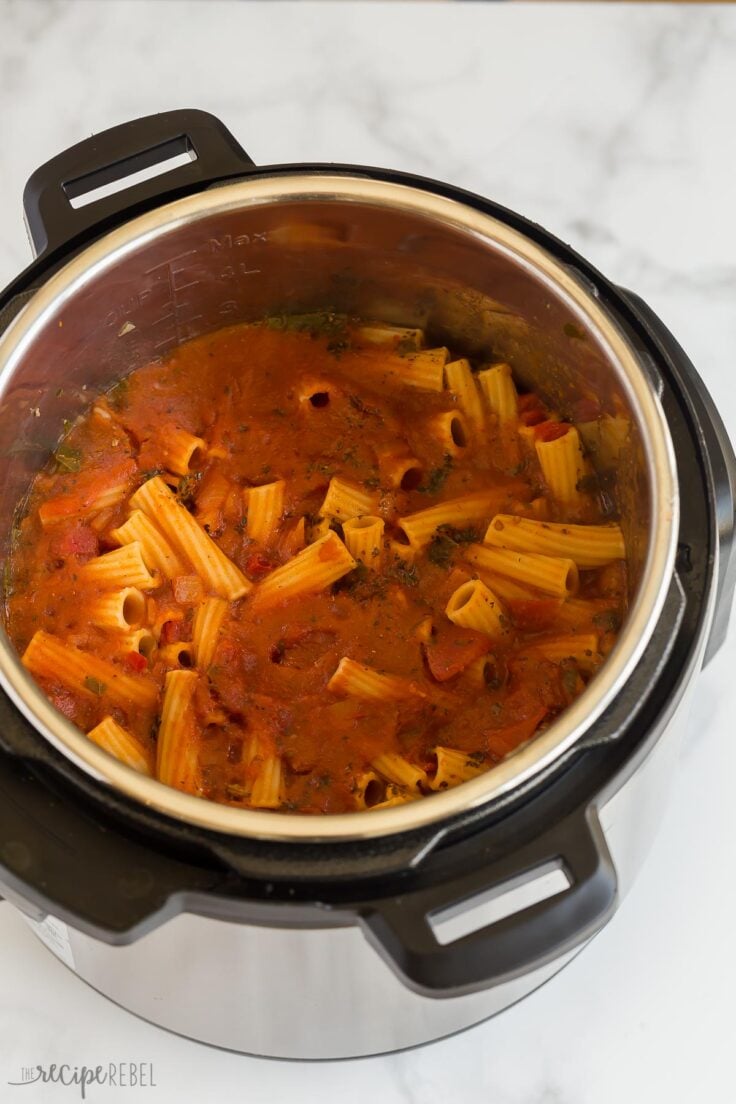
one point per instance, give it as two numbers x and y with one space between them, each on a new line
325 937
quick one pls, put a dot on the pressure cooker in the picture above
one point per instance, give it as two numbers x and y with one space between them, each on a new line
324 937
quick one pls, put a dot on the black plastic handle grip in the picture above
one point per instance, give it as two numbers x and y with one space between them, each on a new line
401 931
718 450
119 152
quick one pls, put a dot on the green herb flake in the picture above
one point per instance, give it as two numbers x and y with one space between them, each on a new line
436 477
118 394
187 488
67 459
607 620
316 323
405 573
441 551
573 331
406 346
459 536
94 685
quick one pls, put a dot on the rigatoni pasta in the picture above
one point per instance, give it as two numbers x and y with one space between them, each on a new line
313 566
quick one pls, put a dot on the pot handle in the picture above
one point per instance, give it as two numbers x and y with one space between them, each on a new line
54 221
718 453
402 931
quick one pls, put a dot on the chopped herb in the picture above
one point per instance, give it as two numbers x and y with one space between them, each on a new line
404 573
363 408
608 620
570 680
441 550
372 482
151 473
67 459
459 536
279 412
317 323
117 394
571 330
406 346
95 685
361 583
187 488
241 523
436 477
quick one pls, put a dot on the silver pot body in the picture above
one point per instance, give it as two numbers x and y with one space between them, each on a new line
379 249
325 992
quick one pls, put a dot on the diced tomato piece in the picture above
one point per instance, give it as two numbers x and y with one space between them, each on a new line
173 631
452 649
531 410
258 564
534 614
136 661
550 431
501 741
75 540
188 589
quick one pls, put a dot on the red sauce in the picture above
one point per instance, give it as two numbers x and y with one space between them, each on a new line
239 389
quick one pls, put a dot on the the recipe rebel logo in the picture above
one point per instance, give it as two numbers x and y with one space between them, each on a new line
118 1075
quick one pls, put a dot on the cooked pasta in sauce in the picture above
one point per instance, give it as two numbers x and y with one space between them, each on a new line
311 565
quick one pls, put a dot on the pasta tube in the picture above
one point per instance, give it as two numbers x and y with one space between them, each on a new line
424 370
497 385
399 470
474 606
109 735
400 771
422 526
122 609
453 767
122 568
181 450
266 792
364 540
317 566
563 466
357 680
450 429
48 657
551 574
179 527
370 789
207 624
461 381
379 333
177 749
158 555
582 647
142 640
265 507
346 500
588 545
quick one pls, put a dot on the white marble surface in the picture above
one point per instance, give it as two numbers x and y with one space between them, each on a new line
612 126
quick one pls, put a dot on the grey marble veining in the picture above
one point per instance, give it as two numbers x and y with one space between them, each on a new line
613 127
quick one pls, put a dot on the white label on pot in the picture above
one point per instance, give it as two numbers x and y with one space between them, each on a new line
55 934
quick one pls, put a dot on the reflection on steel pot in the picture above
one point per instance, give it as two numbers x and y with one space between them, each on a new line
397 927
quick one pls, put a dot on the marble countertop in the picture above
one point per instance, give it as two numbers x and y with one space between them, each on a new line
613 127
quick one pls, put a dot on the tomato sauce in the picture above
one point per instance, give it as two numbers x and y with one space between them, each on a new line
242 390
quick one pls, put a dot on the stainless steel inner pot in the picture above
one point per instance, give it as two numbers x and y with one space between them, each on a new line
304 241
